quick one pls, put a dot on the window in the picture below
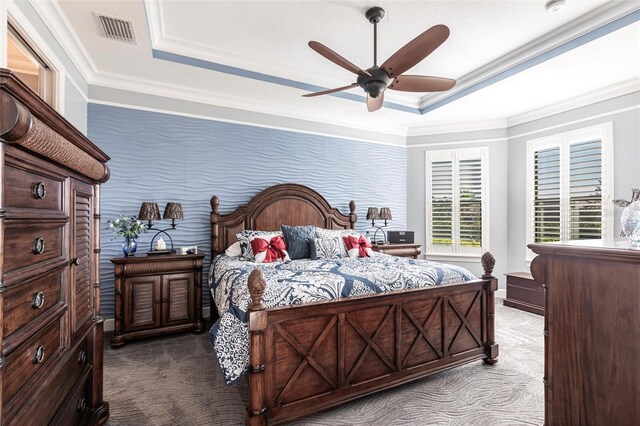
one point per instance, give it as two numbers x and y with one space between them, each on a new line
29 66
569 186
457 202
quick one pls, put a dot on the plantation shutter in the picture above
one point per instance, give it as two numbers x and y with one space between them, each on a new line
585 190
456 201
546 210
570 186
442 203
470 192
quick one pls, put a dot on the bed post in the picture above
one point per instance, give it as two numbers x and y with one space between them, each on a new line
215 218
488 262
353 217
257 351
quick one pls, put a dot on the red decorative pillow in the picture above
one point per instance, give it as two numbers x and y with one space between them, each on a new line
269 250
357 246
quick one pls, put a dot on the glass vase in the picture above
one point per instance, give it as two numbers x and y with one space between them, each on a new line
129 246
630 221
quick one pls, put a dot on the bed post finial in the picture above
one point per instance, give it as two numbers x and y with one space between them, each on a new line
491 348
215 219
215 203
353 217
488 262
257 285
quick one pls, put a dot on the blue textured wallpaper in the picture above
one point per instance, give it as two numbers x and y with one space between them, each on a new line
163 157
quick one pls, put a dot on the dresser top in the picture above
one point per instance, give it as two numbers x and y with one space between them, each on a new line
613 249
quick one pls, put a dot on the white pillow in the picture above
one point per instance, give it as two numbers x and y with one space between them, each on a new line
234 250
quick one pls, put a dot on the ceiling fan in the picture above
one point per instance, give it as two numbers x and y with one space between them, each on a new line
377 79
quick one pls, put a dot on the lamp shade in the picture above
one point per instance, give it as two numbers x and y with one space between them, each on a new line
149 211
372 213
385 213
173 211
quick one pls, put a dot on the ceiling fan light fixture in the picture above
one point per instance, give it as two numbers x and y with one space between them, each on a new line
555 6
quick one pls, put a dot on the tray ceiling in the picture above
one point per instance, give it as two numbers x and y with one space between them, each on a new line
270 38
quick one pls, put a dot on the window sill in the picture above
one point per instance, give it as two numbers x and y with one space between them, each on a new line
453 257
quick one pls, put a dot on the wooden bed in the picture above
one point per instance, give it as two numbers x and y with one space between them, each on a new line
307 358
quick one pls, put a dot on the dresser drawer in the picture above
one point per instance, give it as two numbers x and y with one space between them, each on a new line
29 300
76 409
24 363
30 243
47 399
29 186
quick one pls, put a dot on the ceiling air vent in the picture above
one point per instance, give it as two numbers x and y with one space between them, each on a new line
117 29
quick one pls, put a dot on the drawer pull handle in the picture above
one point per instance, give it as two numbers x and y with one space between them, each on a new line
38 355
38 245
38 300
76 261
39 190
82 357
82 406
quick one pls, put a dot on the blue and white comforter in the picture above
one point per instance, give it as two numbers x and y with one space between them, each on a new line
306 281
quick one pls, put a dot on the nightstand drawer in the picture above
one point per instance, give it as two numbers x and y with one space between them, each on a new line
397 249
524 293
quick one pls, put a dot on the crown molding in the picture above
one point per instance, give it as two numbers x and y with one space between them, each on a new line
595 96
244 122
132 84
581 26
437 129
57 22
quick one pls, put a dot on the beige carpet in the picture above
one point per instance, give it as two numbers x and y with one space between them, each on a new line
176 381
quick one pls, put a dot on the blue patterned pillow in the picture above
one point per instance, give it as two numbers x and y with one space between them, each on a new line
298 240
326 248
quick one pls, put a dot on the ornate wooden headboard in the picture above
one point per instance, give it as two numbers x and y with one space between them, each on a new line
284 204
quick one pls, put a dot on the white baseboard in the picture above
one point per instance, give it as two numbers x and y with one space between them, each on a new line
109 322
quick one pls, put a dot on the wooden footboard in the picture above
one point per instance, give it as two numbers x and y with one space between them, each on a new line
306 358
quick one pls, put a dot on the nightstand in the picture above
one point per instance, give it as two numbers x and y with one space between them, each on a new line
157 295
399 249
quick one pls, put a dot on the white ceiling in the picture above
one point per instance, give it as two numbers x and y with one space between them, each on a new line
271 37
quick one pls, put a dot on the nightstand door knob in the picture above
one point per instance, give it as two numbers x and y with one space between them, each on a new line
38 355
76 261
38 300
38 245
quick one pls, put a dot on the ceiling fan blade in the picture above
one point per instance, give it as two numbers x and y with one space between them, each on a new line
374 104
416 50
421 83
336 59
326 92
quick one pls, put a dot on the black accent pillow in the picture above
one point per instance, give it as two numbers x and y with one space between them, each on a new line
297 239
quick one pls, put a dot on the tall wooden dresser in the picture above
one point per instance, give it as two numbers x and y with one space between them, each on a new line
51 334
592 331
